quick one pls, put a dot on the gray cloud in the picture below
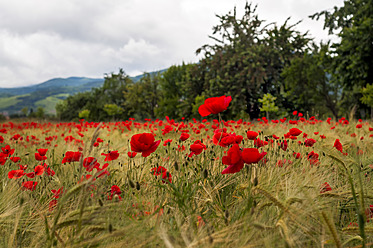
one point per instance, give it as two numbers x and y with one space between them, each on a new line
41 39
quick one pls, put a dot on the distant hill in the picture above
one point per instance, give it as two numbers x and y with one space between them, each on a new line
47 94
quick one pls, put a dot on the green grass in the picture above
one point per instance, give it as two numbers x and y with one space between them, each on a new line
49 103
9 101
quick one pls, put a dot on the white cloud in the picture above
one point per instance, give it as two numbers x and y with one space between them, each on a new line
42 39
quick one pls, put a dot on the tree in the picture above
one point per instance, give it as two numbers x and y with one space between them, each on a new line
84 114
173 85
113 110
24 111
141 98
368 97
353 52
39 113
307 84
111 92
247 59
268 104
70 108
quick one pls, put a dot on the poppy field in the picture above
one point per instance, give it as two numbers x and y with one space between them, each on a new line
292 182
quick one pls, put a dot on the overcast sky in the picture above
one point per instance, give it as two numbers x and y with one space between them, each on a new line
44 39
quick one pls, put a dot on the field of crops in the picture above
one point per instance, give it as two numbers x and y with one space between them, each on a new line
291 182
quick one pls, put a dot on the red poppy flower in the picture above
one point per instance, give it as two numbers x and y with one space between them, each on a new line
89 163
15 174
251 135
52 204
158 171
284 145
369 213
7 150
214 105
132 154
325 188
166 177
144 143
196 148
296 155
184 136
39 170
50 172
338 145
112 155
282 162
115 190
218 136
252 155
29 185
57 193
71 157
166 142
39 157
309 142
313 157
294 131
359 126
15 159
260 143
228 140
233 160
42 151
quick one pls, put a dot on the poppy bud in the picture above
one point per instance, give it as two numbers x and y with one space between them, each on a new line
176 165
205 173
137 186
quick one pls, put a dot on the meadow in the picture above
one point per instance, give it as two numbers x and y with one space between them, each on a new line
291 182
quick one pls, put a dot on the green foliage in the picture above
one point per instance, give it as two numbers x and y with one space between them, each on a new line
367 95
199 100
173 85
353 23
39 113
352 63
24 111
84 114
113 110
268 104
307 84
70 108
141 98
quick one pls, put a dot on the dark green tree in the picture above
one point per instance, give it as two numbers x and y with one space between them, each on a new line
308 85
247 59
141 98
353 51
173 85
69 108
111 92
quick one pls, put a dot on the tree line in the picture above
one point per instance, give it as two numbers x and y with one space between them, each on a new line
268 69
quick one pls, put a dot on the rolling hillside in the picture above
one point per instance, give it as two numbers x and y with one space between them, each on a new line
46 94
49 93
